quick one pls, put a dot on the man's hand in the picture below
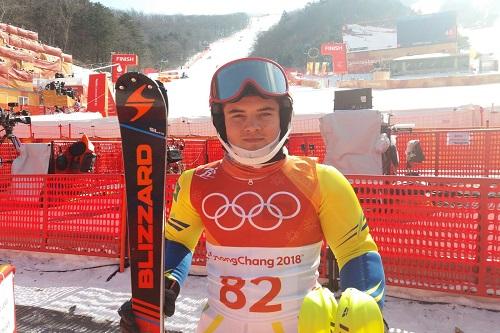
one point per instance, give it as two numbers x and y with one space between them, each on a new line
172 290
127 318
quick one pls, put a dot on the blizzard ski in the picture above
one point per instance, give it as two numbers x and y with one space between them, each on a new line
142 109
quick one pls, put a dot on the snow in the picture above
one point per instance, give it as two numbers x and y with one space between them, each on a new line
61 282
68 284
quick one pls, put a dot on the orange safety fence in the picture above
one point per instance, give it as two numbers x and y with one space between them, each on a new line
194 153
452 153
7 154
215 151
433 233
71 214
449 153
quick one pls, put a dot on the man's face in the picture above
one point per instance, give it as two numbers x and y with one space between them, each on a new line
252 122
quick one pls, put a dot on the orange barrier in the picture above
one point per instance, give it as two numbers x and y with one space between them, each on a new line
214 150
462 152
63 213
433 233
194 153
7 154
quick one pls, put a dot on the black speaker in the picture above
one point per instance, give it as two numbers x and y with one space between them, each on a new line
353 99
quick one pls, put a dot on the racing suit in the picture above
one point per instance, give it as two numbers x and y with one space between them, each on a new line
264 230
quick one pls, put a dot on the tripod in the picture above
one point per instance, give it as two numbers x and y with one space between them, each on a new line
15 141
8 119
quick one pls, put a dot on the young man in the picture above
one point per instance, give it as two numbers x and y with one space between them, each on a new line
264 213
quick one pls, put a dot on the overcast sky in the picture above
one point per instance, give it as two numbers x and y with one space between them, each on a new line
206 7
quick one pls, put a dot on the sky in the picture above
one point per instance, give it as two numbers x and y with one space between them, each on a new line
206 7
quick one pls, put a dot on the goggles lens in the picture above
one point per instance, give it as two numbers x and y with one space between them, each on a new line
267 76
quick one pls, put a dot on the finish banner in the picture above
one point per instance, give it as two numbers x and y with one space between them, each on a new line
338 53
120 63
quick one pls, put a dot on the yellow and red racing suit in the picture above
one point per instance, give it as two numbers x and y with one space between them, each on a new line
264 229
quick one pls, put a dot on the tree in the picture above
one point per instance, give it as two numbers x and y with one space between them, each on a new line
320 22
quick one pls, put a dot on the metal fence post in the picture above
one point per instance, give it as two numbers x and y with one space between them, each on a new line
45 219
482 255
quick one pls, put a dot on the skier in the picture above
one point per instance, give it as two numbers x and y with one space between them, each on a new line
264 214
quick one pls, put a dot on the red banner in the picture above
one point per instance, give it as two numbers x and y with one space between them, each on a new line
121 62
338 52
97 93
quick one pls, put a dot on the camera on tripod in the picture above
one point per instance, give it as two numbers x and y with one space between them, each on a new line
9 118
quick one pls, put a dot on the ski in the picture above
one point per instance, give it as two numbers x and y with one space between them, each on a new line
142 113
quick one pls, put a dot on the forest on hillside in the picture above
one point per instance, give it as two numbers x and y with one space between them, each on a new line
90 31
321 22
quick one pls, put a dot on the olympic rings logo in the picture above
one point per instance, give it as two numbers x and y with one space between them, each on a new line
257 209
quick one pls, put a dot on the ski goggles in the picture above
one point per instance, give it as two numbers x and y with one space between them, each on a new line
229 81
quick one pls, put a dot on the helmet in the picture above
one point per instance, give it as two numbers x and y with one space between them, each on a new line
317 312
358 312
250 76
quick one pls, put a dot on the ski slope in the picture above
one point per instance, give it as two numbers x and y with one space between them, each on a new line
189 97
